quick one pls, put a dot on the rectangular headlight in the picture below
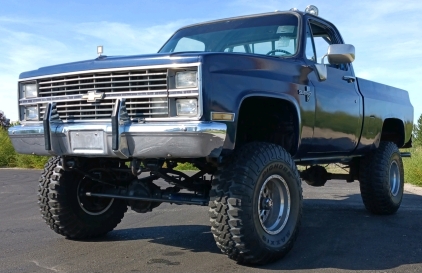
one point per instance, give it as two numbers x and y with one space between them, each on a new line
186 79
31 113
30 90
187 107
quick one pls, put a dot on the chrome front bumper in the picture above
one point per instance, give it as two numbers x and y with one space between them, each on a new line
191 139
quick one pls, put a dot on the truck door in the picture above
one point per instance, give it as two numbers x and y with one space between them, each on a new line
338 114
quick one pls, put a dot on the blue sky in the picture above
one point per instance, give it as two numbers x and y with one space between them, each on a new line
39 33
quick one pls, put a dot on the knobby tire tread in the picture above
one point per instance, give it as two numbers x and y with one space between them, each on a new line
57 211
375 191
231 192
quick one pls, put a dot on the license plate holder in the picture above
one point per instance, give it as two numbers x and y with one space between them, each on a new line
87 142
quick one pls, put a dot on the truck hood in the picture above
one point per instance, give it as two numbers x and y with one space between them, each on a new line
106 62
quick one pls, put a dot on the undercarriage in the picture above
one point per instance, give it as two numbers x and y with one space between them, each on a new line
135 182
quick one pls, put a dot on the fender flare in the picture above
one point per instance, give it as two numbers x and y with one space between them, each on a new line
282 96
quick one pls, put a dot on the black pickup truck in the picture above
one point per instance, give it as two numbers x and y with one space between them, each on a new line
245 100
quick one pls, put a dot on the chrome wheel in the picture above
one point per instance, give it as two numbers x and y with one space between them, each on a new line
274 204
394 177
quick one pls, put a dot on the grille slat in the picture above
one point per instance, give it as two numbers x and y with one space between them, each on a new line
144 102
83 105
142 81
93 116
146 108
88 110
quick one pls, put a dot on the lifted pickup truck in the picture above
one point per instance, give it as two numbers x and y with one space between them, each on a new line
245 100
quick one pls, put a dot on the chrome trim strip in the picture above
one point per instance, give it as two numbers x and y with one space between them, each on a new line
175 119
128 95
183 89
173 93
41 100
94 121
200 97
111 69
99 121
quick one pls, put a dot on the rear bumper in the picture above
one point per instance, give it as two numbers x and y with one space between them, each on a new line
191 139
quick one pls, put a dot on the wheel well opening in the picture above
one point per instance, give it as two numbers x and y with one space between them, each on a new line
393 131
268 120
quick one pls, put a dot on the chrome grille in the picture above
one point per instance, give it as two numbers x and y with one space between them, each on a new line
145 82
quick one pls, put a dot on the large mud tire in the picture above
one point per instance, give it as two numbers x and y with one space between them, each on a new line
61 209
382 179
240 226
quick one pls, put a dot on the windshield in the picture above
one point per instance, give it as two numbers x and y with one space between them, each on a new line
267 35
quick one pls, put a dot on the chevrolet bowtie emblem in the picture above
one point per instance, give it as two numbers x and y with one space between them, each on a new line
93 96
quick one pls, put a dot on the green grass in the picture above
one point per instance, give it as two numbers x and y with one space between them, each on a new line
9 158
413 167
7 152
185 167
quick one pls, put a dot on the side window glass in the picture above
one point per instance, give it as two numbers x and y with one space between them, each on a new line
310 53
321 47
240 48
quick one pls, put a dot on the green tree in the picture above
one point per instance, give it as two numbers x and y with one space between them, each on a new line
417 132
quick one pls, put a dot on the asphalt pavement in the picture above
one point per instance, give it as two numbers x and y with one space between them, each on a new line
337 235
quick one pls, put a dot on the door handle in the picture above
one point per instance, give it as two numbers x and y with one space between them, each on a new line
349 79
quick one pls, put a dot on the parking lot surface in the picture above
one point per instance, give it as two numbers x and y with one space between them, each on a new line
337 235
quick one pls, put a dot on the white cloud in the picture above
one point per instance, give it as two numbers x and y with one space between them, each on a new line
22 21
125 39
29 50
23 51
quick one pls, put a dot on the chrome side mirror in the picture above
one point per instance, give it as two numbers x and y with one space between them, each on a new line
337 54
340 54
